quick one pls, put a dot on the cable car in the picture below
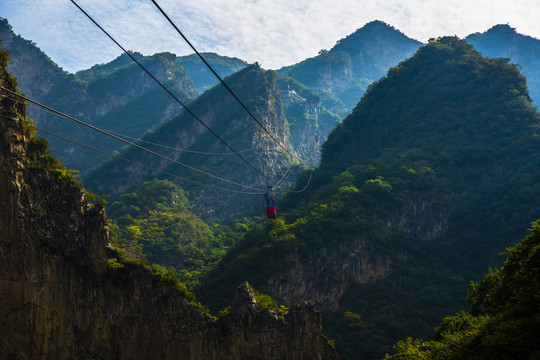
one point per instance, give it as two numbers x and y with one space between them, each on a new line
271 208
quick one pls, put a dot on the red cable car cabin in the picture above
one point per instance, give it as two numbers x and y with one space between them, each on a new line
271 208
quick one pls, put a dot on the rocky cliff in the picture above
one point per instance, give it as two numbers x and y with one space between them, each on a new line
65 292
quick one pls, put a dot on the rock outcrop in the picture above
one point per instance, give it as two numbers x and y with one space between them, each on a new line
66 294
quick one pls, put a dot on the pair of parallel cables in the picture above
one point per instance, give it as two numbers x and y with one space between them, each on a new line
280 182
182 104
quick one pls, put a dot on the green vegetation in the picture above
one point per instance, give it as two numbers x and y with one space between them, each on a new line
41 157
155 223
504 322
199 73
353 63
504 41
103 70
268 305
4 58
432 171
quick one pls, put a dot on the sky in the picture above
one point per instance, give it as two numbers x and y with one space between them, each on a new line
274 33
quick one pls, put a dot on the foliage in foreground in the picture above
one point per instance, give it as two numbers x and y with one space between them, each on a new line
504 322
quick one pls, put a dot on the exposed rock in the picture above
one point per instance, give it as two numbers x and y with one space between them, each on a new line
244 301
327 273
60 298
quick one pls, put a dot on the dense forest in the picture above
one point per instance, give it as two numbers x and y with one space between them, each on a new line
504 321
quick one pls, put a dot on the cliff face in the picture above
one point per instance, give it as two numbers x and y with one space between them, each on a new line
59 299
335 268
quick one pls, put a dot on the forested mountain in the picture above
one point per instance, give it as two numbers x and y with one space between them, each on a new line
321 90
354 62
118 97
199 73
186 140
155 223
504 41
504 322
418 191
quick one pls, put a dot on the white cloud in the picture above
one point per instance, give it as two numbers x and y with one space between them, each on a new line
273 32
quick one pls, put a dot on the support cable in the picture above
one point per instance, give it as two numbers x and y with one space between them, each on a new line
179 149
135 163
165 146
305 187
170 93
221 80
126 141
144 166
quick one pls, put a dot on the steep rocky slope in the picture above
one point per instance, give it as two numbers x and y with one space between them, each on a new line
66 293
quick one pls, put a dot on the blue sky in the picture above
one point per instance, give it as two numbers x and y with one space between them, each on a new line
273 32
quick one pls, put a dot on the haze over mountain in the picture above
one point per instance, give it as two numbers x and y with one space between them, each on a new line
186 140
117 96
418 191
354 62
505 41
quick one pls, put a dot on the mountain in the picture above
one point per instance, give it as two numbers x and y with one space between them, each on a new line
504 320
118 97
419 189
202 77
186 140
336 79
155 222
354 62
67 293
504 41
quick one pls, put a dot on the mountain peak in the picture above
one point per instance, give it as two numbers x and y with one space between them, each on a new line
506 28
377 24
371 31
371 34
499 30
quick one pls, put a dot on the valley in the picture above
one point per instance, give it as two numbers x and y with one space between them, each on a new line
409 168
